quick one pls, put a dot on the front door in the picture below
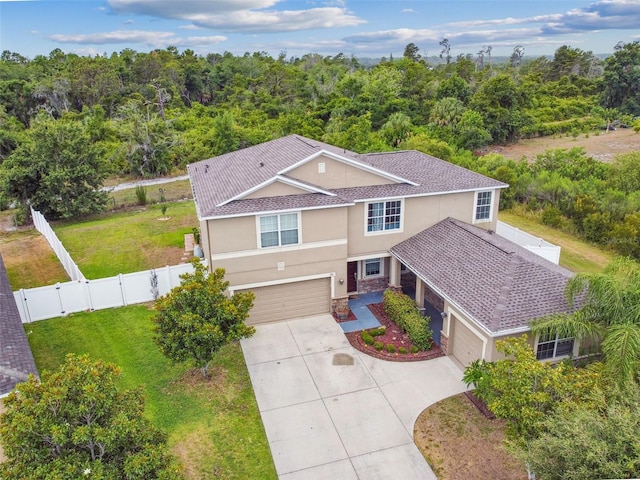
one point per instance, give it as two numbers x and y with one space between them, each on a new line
352 277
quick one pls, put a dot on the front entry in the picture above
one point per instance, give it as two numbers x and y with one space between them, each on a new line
352 277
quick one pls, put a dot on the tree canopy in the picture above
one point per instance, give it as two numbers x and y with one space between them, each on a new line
197 318
76 422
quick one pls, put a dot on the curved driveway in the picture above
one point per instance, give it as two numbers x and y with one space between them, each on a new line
330 411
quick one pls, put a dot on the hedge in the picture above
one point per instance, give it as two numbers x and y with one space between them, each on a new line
404 312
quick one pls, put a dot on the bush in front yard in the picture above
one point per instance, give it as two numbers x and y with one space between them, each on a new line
404 312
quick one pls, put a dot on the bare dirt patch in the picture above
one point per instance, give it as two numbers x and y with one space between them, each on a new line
460 443
29 259
603 146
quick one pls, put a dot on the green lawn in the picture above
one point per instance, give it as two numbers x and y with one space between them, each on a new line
129 241
576 255
214 426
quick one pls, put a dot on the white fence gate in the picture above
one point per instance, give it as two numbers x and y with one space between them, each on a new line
532 243
45 229
87 295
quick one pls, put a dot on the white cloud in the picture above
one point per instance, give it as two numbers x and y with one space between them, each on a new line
408 10
190 26
127 22
154 39
247 16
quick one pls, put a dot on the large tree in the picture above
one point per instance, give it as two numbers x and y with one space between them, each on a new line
197 318
56 170
609 310
622 79
76 423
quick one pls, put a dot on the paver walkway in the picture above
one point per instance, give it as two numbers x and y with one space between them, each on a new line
330 411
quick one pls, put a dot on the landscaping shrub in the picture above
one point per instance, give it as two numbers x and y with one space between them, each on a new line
367 338
376 332
414 349
391 348
402 350
403 311
378 346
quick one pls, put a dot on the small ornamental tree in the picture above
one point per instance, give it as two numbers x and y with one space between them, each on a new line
197 318
75 423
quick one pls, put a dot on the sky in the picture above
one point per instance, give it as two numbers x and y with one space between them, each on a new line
363 28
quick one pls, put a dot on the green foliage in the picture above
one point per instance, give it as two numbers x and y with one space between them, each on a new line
141 195
414 349
525 391
197 318
622 79
403 311
76 421
580 442
376 332
390 347
367 338
57 170
402 350
378 346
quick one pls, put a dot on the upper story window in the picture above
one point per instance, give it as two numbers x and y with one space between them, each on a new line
551 346
484 202
278 230
383 216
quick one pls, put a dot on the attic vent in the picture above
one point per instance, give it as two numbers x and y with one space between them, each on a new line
321 167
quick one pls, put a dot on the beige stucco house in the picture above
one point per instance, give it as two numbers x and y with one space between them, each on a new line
304 224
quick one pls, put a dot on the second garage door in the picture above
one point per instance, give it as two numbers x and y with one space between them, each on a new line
467 346
290 300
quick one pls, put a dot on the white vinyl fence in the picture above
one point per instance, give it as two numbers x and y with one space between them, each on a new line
45 229
532 243
87 295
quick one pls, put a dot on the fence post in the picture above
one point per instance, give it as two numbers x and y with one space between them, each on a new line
25 306
122 292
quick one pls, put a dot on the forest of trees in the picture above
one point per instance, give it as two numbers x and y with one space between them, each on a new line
67 122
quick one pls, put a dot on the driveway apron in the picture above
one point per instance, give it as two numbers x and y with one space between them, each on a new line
330 411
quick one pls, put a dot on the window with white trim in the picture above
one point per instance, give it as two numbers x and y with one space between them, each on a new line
373 267
383 216
279 230
484 201
550 345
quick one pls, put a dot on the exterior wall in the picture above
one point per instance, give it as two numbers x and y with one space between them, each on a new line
276 189
323 249
493 223
419 213
336 175
449 330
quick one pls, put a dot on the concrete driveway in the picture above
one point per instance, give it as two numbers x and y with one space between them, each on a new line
330 411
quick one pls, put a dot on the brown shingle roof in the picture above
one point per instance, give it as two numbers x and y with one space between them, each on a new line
221 178
500 284
16 360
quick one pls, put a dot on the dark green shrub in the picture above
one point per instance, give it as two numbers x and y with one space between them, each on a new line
402 350
414 349
551 216
391 348
141 195
366 338
404 312
378 346
376 332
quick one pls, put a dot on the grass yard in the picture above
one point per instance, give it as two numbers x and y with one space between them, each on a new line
214 426
128 241
172 191
576 255
459 442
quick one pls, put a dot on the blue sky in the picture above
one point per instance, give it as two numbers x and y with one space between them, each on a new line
364 28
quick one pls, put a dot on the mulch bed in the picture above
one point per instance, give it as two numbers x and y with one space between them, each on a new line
480 405
393 335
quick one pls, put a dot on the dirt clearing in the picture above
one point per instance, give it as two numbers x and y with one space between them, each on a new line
603 146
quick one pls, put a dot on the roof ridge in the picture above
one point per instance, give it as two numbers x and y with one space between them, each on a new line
304 140
505 290
480 234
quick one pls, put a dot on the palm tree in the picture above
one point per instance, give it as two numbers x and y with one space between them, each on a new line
609 312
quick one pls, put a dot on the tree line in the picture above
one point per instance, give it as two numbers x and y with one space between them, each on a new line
67 122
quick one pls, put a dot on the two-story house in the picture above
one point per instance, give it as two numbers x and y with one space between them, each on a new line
304 224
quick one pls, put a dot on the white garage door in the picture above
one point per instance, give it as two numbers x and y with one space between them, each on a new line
467 346
290 300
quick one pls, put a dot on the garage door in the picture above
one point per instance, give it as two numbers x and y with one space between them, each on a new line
467 346
290 300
